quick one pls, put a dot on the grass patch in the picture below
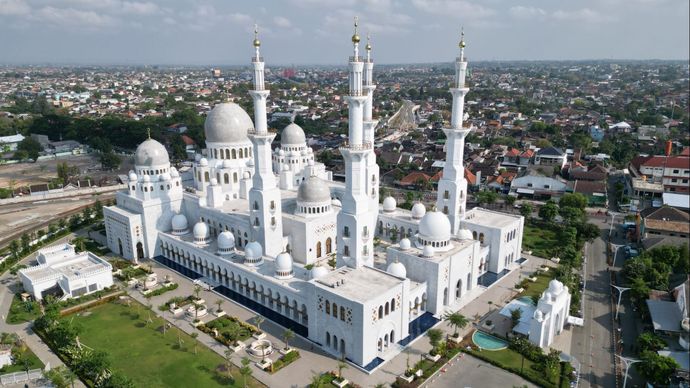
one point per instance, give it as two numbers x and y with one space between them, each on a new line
536 288
21 312
229 330
512 361
150 358
23 359
540 241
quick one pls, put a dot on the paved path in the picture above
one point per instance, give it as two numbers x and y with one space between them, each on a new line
469 372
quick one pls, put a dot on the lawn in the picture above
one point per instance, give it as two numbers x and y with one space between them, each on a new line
540 241
536 288
511 361
148 357
33 362
21 312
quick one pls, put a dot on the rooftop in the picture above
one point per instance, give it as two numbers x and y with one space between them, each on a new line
358 284
490 218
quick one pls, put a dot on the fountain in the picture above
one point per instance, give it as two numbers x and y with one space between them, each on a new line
260 348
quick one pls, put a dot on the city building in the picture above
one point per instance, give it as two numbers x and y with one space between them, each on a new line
261 226
64 273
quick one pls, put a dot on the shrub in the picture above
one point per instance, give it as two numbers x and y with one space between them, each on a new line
161 290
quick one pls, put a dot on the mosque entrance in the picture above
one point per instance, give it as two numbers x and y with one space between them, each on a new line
140 251
119 246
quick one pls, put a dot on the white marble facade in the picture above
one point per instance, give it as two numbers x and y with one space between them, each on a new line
264 224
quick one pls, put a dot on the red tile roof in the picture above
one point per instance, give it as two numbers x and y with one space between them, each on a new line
671 161
414 177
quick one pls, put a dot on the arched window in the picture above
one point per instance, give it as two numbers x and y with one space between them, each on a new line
234 154
234 177
318 249
241 153
328 337
393 304
474 235
227 153
328 246
335 310
328 307
387 309
206 178
380 312
481 237
342 313
256 205
226 178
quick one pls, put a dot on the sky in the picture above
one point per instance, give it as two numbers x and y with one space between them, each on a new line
299 32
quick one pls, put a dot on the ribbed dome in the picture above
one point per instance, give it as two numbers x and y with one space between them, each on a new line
203 162
179 224
428 251
253 251
227 123
465 234
292 134
284 262
313 189
318 272
389 204
200 232
397 268
435 226
418 210
151 153
226 241
405 244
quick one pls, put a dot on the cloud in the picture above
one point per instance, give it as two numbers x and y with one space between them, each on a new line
520 12
14 7
73 18
585 15
116 6
281 21
462 10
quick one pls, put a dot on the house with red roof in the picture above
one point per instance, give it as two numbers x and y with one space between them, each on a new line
673 172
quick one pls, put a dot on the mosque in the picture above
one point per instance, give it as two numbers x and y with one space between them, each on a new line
261 224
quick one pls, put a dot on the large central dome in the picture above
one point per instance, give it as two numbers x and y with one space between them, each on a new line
151 153
227 123
313 189
293 135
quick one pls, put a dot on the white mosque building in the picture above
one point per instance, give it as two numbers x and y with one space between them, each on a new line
261 224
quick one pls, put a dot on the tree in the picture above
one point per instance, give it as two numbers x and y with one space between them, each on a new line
110 160
509 200
457 321
316 381
548 212
194 336
219 302
571 215
118 380
588 231
575 200
435 336
15 249
197 291
31 147
649 341
341 365
65 172
526 210
228 363
515 315
288 334
258 320
79 243
57 377
26 240
245 371
656 369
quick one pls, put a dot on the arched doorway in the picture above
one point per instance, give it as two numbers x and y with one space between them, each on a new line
119 246
445 296
140 250
318 249
329 246
458 289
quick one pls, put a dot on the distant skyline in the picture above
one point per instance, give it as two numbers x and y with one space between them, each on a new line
303 32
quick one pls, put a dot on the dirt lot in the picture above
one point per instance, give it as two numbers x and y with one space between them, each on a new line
45 170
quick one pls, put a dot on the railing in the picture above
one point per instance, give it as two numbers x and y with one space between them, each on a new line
463 59
356 59
356 93
357 147
253 131
257 59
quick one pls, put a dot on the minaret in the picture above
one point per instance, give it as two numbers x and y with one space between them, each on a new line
452 188
369 133
355 235
264 197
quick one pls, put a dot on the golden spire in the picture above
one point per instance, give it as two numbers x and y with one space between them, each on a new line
148 132
368 46
355 37
462 37
257 42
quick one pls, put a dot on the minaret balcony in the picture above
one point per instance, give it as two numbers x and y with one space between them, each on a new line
461 59
356 59
257 59
253 131
365 146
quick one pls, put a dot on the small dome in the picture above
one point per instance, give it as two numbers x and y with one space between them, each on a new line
538 315
418 210
227 123
313 189
435 226
214 182
179 224
253 252
250 162
164 177
200 232
246 175
226 242
202 201
310 162
174 173
428 251
227 163
284 262
281 152
147 178
397 268
151 153
132 176
203 162
405 244
318 272
286 167
389 204
336 202
555 287
292 134
465 234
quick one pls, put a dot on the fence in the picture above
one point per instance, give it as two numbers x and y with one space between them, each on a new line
20 377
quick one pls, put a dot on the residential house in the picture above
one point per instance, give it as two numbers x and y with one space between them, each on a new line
664 221
595 191
535 184
673 172
10 143
550 156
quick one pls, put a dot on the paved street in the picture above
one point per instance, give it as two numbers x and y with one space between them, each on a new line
468 372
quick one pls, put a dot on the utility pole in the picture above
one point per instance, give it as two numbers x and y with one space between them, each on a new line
620 295
627 361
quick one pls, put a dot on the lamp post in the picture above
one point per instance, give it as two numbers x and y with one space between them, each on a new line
613 217
616 247
620 295
627 361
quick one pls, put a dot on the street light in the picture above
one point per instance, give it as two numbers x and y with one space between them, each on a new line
627 361
616 248
620 295
613 217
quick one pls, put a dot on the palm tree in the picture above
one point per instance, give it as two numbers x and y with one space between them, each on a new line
197 291
219 302
79 243
434 336
245 370
457 321
341 365
287 336
316 381
258 320
228 355
194 335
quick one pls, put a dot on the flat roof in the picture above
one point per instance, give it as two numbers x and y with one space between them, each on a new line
358 284
70 268
481 216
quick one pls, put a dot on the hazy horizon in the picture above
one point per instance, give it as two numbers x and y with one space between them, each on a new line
317 32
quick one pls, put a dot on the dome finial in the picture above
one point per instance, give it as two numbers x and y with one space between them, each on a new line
462 37
148 132
257 42
355 36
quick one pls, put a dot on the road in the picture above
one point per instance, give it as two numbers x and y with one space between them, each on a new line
592 342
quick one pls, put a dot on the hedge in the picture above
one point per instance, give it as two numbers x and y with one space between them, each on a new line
161 290
284 361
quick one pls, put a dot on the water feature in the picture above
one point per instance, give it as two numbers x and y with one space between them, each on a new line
488 342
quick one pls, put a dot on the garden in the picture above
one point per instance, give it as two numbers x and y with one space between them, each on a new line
23 310
228 330
141 349
23 359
